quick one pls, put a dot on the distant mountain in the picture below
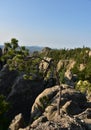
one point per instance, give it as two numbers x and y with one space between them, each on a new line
34 48
1 46
30 48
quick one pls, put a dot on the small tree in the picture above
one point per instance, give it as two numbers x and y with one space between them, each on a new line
18 58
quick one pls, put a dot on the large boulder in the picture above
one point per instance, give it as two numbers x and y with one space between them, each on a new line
22 96
7 79
74 111
72 103
71 108
42 101
46 103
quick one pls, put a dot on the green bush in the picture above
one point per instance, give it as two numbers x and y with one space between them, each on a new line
83 86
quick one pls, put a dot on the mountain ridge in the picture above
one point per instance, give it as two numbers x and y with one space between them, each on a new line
30 48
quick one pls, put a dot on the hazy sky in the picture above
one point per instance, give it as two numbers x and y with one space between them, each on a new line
53 23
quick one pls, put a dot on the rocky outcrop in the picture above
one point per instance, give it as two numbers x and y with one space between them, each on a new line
45 63
89 53
42 101
7 79
70 78
73 105
19 93
69 100
82 67
75 113
17 122
60 65
45 50
67 64
22 96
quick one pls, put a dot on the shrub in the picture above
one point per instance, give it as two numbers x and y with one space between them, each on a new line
83 86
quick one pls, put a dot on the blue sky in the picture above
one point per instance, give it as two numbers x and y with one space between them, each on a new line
53 23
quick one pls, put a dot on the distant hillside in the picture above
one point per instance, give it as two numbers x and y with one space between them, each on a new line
34 48
30 48
1 46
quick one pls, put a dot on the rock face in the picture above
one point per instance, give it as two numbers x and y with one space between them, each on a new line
22 96
17 122
44 65
42 101
19 93
47 102
74 111
74 114
7 79
70 78
68 64
89 53
82 67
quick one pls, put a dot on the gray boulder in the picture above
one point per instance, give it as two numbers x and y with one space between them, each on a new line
74 114
22 96
7 79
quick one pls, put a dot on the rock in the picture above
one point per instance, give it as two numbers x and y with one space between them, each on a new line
71 108
89 114
50 112
66 123
37 121
46 103
69 78
89 53
85 117
74 114
17 122
45 50
22 96
27 128
82 67
60 65
75 96
71 64
44 65
7 79
68 74
42 101
68 64
50 82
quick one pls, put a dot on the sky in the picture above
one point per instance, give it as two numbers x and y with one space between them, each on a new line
52 23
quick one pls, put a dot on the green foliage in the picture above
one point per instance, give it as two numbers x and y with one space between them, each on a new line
14 43
4 106
12 50
61 75
83 86
18 58
44 102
